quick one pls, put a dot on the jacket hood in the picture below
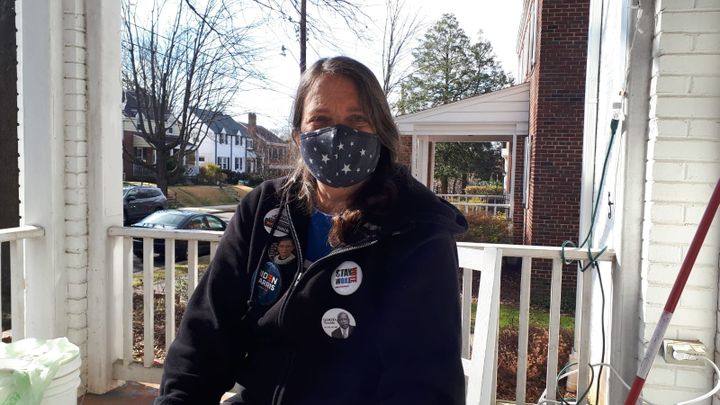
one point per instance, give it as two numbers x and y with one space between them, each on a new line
417 205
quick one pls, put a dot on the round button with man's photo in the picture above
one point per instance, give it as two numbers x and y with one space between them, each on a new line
338 323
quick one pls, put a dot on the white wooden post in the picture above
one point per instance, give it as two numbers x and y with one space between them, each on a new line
104 128
481 381
40 86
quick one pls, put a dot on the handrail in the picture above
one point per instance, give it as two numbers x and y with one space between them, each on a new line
159 233
542 252
21 232
16 237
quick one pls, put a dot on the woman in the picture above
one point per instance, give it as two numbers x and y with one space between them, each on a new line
370 312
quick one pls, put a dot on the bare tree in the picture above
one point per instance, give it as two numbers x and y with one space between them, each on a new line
400 29
176 61
305 23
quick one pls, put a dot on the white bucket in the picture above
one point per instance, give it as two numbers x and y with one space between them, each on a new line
63 389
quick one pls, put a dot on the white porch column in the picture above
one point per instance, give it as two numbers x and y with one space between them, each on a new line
513 162
104 128
421 159
40 84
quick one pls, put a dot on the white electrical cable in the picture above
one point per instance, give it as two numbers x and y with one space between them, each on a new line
709 394
542 399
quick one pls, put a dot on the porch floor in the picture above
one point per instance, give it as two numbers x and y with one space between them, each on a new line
144 394
130 393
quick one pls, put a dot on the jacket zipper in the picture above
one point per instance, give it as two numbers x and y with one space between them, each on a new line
276 395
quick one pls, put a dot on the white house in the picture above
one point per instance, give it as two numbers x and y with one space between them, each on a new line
654 65
225 143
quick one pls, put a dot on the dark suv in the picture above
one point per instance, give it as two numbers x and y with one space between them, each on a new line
141 201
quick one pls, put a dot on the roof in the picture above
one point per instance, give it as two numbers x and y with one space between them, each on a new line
219 122
131 106
267 135
500 113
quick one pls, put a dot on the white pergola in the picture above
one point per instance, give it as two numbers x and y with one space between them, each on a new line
500 116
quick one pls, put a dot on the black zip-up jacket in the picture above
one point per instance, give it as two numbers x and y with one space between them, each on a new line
284 348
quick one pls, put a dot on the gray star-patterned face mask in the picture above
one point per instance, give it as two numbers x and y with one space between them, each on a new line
340 156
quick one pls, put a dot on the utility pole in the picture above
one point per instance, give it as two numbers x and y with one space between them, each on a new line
303 35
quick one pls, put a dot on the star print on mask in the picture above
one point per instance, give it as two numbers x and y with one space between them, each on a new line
361 151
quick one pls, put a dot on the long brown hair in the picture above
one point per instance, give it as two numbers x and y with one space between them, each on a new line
379 191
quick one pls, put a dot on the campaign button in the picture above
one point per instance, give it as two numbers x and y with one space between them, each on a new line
268 284
346 278
283 226
338 323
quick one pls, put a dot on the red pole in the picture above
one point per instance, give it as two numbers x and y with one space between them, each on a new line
675 293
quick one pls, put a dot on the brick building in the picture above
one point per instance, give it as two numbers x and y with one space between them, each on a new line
552 48
273 153
135 148
540 121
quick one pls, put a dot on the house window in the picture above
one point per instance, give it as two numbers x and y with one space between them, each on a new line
139 153
224 162
533 32
249 143
237 140
237 164
201 158
221 138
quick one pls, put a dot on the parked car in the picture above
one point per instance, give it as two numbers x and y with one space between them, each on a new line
177 219
140 201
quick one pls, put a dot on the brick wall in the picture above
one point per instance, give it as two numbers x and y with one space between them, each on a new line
128 148
76 175
405 151
557 95
518 207
683 164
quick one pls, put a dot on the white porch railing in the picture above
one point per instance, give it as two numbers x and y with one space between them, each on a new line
491 203
124 368
480 357
16 237
479 350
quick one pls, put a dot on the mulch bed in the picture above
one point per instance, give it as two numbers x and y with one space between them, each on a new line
537 361
159 316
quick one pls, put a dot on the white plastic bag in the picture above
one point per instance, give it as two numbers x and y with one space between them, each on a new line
28 366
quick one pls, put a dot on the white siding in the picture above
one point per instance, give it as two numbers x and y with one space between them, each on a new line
660 186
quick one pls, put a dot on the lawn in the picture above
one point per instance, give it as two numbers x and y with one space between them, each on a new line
202 195
510 317
197 196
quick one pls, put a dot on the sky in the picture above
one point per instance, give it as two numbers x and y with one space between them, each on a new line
498 21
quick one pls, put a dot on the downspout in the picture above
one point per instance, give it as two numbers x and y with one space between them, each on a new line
587 186
626 285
